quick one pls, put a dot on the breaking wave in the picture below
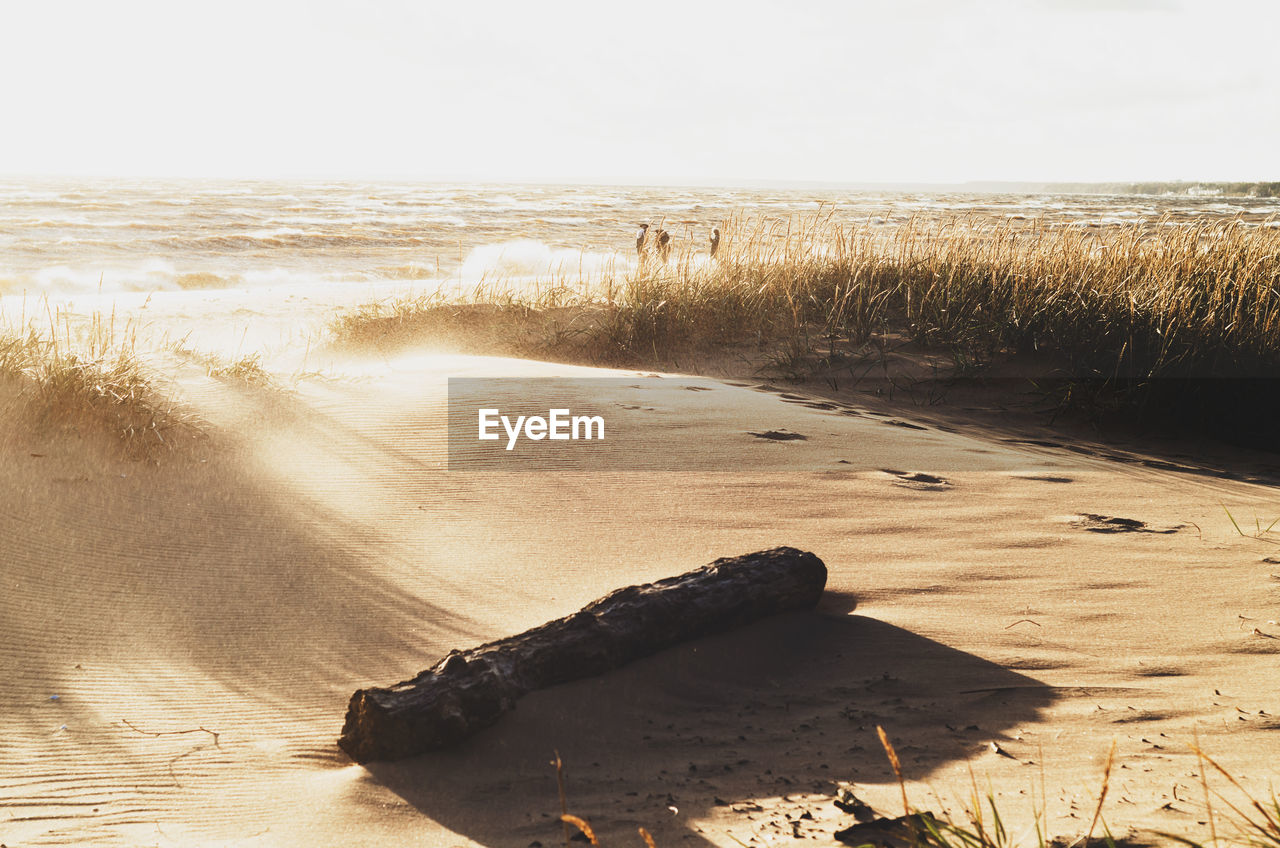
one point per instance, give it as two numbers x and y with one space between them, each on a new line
533 259
157 276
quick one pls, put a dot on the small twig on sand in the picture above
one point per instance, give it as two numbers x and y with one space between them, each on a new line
154 733
137 729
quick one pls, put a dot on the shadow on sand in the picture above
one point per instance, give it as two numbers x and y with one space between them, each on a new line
784 707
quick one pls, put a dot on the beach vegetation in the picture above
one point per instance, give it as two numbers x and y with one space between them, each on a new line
248 368
88 377
1161 319
1261 533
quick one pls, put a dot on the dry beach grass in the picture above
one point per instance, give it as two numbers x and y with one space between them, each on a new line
92 377
1146 318
1174 317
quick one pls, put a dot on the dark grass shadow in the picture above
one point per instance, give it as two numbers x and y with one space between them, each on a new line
1218 429
786 706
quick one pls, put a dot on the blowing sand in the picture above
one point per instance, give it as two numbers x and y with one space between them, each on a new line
178 639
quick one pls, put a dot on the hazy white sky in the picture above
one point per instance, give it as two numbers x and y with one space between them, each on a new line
653 91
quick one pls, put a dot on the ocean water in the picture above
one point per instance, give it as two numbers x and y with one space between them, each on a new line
68 237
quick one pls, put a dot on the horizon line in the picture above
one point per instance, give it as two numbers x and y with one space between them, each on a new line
975 185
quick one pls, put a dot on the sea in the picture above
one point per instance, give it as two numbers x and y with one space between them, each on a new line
99 236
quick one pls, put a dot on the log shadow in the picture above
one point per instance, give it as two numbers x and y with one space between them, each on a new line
786 706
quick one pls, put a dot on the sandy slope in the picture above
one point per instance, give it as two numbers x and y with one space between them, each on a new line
179 639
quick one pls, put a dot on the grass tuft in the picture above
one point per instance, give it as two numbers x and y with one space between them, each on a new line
88 379
247 369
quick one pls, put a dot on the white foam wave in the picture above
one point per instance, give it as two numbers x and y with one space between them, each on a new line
282 232
529 258
153 275
68 221
156 276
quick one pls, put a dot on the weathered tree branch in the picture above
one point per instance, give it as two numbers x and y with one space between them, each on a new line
470 690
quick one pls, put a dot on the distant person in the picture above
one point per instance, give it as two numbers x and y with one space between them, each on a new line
641 234
664 244
715 241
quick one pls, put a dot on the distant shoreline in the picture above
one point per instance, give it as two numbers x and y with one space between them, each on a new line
1155 188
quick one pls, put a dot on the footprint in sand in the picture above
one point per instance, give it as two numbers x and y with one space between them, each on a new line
918 480
1095 523
779 436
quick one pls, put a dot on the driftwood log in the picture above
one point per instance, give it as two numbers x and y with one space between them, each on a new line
469 690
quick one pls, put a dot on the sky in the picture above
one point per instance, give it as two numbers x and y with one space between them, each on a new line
693 91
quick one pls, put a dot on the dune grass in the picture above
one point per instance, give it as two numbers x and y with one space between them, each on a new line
88 378
247 368
1140 316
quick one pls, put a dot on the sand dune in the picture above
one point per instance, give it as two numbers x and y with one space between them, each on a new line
180 638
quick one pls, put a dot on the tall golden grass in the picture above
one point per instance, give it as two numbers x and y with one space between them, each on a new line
1137 301
88 377
1124 307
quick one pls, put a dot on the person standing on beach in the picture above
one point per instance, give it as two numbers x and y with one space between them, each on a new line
715 241
640 237
664 244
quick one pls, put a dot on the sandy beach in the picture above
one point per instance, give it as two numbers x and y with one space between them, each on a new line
977 303
181 634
